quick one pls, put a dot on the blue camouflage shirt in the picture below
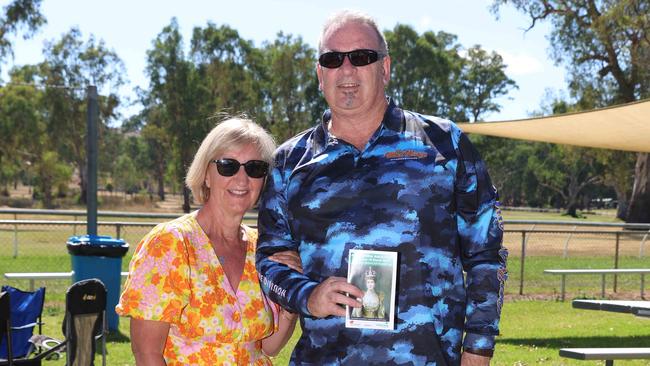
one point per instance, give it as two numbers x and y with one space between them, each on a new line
418 188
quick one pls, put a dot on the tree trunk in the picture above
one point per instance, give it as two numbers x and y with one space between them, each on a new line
639 209
623 204
160 180
83 173
186 199
572 209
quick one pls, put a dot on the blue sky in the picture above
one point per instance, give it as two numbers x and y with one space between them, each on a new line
128 27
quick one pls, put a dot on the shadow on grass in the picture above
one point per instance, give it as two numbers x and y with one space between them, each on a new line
579 342
118 337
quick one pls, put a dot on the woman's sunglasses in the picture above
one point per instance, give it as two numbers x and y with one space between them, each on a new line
230 167
334 59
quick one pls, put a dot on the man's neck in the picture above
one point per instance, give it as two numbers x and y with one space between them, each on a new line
357 129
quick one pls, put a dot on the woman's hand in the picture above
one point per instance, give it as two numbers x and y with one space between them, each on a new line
289 258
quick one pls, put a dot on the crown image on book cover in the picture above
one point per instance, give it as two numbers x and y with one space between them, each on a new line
370 274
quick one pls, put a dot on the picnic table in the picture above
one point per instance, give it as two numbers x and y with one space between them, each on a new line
639 308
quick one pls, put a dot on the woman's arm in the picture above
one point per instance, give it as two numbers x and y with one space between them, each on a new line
273 344
148 339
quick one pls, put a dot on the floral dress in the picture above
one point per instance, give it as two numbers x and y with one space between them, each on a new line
176 278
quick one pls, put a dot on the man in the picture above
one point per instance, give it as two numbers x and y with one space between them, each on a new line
373 176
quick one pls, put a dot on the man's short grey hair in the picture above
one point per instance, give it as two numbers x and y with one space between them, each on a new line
344 17
232 133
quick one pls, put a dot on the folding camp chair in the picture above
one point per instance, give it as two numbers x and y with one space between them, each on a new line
25 309
5 325
6 335
84 322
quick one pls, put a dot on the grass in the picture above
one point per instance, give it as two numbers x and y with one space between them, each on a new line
532 332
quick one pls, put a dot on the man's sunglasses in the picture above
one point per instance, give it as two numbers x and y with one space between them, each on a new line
230 167
334 59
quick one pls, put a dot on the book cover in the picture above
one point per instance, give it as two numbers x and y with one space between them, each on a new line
375 273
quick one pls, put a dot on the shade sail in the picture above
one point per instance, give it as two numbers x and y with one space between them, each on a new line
622 127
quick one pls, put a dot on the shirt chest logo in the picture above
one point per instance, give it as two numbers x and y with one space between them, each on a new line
405 155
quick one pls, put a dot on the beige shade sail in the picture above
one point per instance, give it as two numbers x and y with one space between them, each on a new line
622 127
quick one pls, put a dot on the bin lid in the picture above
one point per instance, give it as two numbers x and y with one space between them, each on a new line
97 245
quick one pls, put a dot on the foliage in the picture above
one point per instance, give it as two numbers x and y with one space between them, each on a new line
606 48
483 80
19 14
431 73
291 87
70 66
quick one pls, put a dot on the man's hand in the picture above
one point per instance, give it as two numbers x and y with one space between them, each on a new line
329 295
470 359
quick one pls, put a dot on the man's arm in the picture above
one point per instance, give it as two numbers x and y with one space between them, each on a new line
484 259
283 285
289 288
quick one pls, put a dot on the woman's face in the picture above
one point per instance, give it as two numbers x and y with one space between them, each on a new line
370 284
238 193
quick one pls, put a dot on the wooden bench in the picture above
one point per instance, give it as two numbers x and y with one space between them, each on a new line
607 354
602 272
32 276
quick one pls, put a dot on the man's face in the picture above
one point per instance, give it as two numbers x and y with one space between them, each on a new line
350 89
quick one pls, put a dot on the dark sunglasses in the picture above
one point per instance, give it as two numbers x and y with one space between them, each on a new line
230 167
334 59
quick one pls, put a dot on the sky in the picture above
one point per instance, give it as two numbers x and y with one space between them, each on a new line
129 27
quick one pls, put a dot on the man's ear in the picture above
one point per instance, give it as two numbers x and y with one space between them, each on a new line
319 73
386 69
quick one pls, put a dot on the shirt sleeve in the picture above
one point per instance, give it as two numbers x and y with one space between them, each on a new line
283 285
480 230
158 285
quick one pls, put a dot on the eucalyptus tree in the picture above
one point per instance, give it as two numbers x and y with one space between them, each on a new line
70 66
483 79
21 125
26 147
291 87
607 41
19 15
424 71
230 70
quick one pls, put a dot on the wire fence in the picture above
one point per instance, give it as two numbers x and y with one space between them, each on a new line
39 245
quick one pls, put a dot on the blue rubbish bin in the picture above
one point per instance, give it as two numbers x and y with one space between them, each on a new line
96 256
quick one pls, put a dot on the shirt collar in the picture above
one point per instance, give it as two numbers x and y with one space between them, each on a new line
393 120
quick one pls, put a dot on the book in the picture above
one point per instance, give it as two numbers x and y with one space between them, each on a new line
375 273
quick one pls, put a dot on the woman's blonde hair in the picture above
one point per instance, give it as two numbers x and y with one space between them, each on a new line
229 134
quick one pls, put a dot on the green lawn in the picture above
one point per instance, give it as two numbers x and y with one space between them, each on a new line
532 332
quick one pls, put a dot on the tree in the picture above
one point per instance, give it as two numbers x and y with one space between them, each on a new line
431 74
21 125
291 87
424 71
567 171
172 99
483 80
609 41
70 66
19 14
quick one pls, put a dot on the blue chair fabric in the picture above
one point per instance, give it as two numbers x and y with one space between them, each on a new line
25 308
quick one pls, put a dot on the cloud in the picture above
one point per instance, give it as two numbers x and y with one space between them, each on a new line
521 64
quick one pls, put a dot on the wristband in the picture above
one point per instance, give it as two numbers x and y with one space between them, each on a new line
480 352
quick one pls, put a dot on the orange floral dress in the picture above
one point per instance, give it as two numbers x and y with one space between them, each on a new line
176 278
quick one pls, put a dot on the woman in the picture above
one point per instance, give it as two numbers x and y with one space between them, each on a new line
193 294
372 302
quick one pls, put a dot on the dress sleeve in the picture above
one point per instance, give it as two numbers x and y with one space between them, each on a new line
480 231
158 284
